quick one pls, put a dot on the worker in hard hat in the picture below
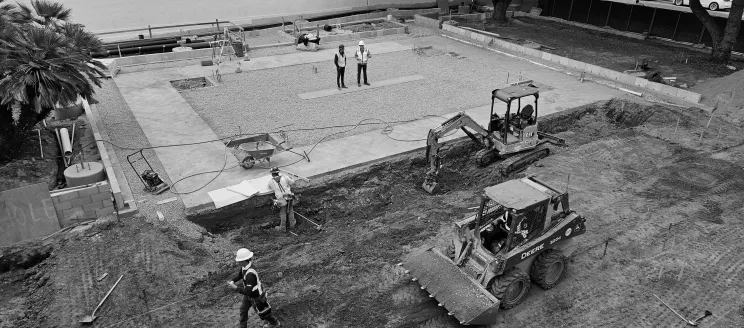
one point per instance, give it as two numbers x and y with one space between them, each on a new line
362 55
254 296
284 199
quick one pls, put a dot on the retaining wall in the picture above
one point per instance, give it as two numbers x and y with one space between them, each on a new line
83 203
427 22
577 65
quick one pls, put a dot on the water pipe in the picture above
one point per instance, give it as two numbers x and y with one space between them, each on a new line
66 147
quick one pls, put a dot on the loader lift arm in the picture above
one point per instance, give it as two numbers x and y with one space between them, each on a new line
481 136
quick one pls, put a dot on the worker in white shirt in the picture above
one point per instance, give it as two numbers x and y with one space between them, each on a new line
340 61
362 55
281 185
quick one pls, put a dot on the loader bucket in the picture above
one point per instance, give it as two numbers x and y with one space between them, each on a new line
461 295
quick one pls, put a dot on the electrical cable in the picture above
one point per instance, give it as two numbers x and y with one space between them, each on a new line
385 131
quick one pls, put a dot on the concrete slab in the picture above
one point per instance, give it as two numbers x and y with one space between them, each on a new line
380 84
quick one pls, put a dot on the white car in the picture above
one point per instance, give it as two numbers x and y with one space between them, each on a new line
710 4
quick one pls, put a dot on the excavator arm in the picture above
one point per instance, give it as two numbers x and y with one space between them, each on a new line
434 161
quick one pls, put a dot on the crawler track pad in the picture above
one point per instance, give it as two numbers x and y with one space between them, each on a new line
462 296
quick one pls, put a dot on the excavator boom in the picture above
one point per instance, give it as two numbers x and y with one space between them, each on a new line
460 121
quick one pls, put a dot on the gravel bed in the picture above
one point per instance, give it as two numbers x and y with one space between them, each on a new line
124 131
272 38
264 100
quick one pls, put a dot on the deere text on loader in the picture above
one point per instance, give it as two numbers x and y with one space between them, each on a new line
522 233
506 136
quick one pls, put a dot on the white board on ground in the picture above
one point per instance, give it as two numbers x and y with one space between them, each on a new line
225 196
25 213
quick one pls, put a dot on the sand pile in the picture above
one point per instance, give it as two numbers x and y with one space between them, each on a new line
727 92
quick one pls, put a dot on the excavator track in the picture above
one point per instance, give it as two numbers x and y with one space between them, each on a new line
518 162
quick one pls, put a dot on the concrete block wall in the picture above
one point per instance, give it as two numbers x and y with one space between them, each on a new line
427 22
578 65
87 202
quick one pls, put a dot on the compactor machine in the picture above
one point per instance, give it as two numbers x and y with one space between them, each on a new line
513 138
523 233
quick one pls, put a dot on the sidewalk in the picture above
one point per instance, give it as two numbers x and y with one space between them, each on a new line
166 118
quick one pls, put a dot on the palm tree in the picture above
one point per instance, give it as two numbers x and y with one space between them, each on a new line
44 59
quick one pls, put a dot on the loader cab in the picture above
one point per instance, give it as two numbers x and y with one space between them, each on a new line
513 213
519 123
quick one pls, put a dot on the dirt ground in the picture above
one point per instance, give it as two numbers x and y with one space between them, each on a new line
31 168
665 205
611 51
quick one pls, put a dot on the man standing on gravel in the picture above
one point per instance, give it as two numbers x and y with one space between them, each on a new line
281 185
340 60
253 294
362 55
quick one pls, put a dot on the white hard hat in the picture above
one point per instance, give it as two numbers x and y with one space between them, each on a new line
243 254
361 43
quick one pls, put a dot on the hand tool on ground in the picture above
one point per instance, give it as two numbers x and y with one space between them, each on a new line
689 322
317 226
707 313
290 173
90 318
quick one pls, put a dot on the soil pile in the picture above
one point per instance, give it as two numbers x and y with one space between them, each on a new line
727 93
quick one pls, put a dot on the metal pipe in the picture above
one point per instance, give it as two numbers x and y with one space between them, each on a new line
651 26
674 36
570 10
589 12
66 147
630 16
607 21
149 29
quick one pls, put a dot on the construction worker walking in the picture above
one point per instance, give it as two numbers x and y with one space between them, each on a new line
254 296
282 187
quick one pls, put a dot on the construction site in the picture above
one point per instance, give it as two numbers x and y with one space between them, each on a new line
472 183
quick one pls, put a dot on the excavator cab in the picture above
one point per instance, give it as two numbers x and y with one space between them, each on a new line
517 129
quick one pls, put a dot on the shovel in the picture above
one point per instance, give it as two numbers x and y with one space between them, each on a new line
90 318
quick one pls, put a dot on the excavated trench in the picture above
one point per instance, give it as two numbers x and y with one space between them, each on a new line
367 192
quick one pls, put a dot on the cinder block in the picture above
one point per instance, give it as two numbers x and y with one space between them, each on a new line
90 214
90 191
668 90
576 64
627 79
104 188
182 55
73 212
138 60
153 58
92 206
63 206
546 56
105 211
107 202
592 69
688 95
388 32
60 214
556 59
641 82
80 201
564 61
100 197
655 86
379 33
168 56
65 196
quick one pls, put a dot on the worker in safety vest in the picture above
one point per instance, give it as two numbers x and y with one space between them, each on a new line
253 294
284 199
362 55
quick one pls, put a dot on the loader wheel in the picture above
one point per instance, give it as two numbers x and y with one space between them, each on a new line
549 268
510 288
484 157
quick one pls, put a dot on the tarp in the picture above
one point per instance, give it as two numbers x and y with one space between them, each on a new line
25 213
240 192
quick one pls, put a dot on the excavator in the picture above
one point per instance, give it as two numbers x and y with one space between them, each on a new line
513 139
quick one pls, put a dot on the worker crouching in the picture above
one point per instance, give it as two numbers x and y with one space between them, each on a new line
253 294
284 199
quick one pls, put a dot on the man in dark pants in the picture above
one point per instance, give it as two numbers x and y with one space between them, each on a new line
253 294
340 60
362 55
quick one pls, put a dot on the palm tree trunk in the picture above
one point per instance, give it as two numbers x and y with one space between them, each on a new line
499 11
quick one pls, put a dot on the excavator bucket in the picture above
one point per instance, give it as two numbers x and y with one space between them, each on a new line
462 296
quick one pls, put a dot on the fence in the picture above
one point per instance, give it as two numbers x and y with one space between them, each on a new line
681 26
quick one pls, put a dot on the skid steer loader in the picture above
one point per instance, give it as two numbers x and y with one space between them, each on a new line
522 233
513 138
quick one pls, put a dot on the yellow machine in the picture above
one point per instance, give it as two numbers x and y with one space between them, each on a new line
522 233
514 133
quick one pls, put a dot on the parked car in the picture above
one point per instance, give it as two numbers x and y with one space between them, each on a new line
710 4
